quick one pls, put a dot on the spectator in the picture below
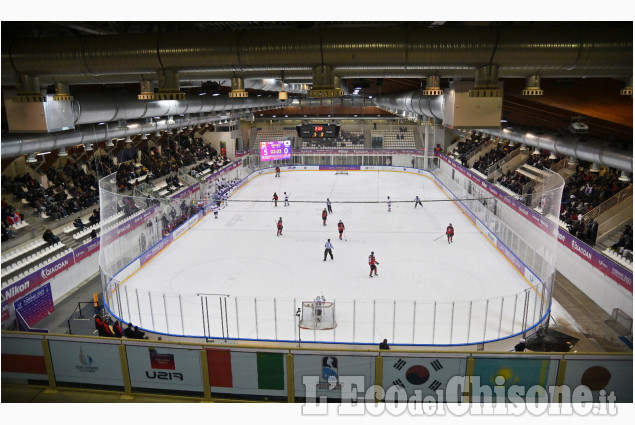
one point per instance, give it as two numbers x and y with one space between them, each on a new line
78 223
137 334
129 331
93 234
521 346
7 232
384 345
49 237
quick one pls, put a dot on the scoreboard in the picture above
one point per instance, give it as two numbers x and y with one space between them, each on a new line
318 131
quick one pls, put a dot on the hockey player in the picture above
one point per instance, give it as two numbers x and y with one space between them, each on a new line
224 199
328 205
286 199
279 225
340 228
324 215
215 210
372 262
449 231
328 247
389 204
417 201
277 171
317 306
275 199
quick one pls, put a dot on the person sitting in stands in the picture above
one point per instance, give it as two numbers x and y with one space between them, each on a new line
129 332
384 345
78 223
49 237
137 334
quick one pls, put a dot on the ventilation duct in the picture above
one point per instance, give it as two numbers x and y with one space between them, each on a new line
325 83
592 150
136 113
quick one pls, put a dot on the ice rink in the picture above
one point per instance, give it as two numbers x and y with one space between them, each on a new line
232 277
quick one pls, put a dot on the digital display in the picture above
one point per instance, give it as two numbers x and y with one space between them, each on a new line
273 150
318 131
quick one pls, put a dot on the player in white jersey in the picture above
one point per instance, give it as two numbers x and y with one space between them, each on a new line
286 199
215 210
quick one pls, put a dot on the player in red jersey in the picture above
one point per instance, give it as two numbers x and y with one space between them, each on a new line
340 228
372 262
279 225
277 171
449 231
275 199
324 215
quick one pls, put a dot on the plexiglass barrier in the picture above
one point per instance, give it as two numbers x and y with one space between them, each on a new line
145 225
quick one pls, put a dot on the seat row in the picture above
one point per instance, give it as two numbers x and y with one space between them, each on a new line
22 250
33 258
35 268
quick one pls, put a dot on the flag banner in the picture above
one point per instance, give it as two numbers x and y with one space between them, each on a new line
246 372
520 371
23 359
86 363
602 375
167 368
424 376
317 375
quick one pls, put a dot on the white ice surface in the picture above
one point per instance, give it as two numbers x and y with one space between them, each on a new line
240 255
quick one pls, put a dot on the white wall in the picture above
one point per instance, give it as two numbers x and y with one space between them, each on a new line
214 138
603 290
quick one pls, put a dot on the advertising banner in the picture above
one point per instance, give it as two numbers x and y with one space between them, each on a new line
186 193
86 363
174 369
317 375
225 170
382 152
339 167
130 225
36 305
514 370
37 278
601 373
86 250
155 249
23 358
426 375
254 373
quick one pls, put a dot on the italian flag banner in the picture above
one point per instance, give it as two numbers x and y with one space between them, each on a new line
246 370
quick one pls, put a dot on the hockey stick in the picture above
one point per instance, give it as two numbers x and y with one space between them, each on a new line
438 238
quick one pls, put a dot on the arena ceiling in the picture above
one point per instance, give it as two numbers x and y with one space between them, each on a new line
581 78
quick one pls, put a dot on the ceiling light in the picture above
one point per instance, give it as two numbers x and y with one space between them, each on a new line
552 156
89 147
110 144
42 153
536 152
31 159
62 152
624 177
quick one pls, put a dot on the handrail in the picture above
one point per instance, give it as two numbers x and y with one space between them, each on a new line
610 203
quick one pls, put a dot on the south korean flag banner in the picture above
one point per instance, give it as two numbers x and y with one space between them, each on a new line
424 376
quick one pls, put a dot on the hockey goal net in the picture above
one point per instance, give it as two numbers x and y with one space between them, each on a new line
318 315
342 172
